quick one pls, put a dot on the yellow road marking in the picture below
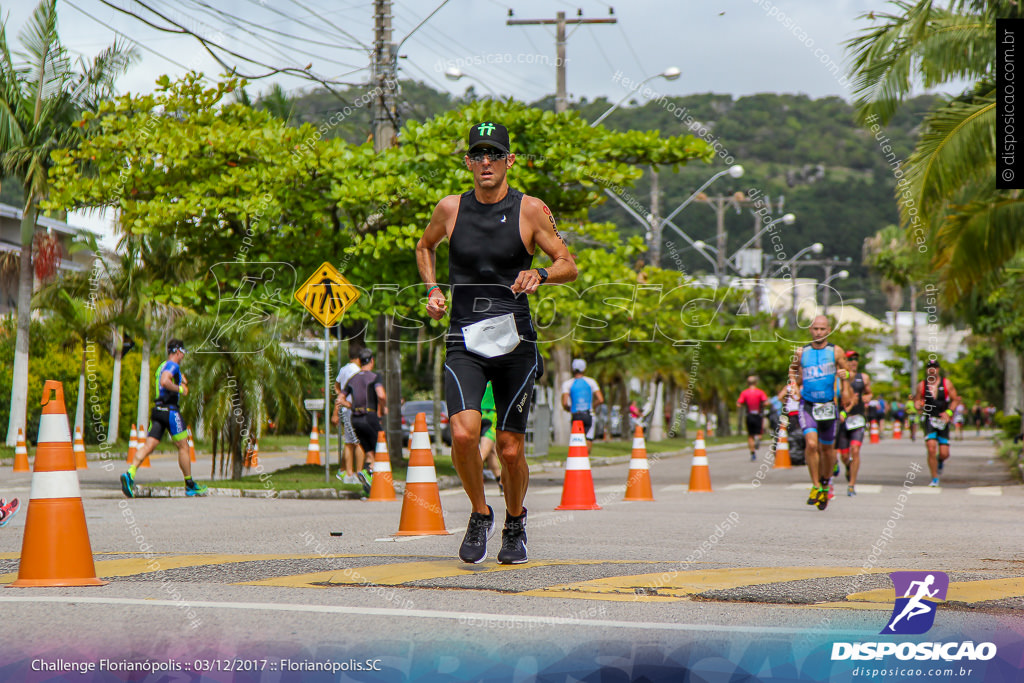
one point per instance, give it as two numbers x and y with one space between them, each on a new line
678 585
9 556
396 574
959 591
141 565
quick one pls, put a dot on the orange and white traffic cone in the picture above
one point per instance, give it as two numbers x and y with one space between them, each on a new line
21 454
132 445
421 504
55 549
313 450
191 446
782 461
140 440
897 430
874 431
578 489
383 485
254 460
638 484
700 475
80 461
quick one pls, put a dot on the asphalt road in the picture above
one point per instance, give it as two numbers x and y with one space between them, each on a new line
746 579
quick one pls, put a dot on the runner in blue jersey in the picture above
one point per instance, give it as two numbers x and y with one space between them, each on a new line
580 395
165 418
814 369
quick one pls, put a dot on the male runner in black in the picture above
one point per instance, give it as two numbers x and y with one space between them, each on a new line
851 429
493 232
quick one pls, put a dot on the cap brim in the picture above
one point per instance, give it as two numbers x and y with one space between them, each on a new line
494 145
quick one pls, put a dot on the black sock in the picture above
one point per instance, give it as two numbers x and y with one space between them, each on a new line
189 482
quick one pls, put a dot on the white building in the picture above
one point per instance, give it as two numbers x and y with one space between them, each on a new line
10 243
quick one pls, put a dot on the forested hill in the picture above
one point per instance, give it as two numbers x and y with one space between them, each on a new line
830 172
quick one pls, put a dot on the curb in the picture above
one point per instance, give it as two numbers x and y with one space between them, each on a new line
443 482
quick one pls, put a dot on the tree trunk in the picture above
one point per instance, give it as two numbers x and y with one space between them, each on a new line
658 419
724 428
80 404
913 339
236 449
213 456
115 389
559 371
19 384
143 412
393 387
1013 393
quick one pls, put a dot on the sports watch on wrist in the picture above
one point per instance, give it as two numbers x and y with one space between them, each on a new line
543 272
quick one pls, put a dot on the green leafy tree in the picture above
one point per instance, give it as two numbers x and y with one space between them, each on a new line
42 94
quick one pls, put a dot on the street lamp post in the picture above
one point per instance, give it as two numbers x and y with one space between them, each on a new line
815 248
654 227
455 73
841 275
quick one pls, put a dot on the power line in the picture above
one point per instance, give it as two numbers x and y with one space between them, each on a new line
318 29
129 38
231 18
331 24
206 43
630 46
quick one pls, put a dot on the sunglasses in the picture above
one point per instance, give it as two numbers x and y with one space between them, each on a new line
477 155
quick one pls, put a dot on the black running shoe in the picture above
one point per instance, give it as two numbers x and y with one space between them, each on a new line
822 497
479 529
513 540
941 462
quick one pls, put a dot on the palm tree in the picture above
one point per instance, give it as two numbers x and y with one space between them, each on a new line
237 383
43 96
970 228
85 317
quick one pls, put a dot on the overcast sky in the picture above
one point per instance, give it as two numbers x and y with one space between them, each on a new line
725 46
738 47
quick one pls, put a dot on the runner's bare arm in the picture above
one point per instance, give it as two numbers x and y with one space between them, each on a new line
794 367
540 224
954 398
436 231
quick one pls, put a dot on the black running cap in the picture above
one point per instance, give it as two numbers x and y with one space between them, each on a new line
933 364
365 356
489 134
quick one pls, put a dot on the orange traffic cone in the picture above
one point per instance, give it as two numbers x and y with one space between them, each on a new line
874 431
80 461
313 450
140 440
782 461
578 489
421 504
21 454
55 549
383 486
897 430
132 445
700 475
191 446
254 459
638 484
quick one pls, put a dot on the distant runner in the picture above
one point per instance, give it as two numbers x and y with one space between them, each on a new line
165 418
814 369
937 400
754 399
851 431
580 396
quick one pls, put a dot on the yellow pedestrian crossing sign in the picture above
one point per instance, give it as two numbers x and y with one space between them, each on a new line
326 294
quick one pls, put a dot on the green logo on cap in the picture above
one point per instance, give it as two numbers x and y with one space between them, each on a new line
485 128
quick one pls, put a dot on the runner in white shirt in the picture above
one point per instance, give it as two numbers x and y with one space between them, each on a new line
352 446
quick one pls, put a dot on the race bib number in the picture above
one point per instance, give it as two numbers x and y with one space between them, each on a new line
937 423
492 337
823 411
855 422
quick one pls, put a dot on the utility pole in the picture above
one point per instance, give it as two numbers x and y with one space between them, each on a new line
718 204
384 78
384 81
560 22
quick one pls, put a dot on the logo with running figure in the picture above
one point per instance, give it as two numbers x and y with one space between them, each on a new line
485 128
914 612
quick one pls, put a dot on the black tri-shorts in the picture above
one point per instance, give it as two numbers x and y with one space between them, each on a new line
511 376
366 426
755 424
